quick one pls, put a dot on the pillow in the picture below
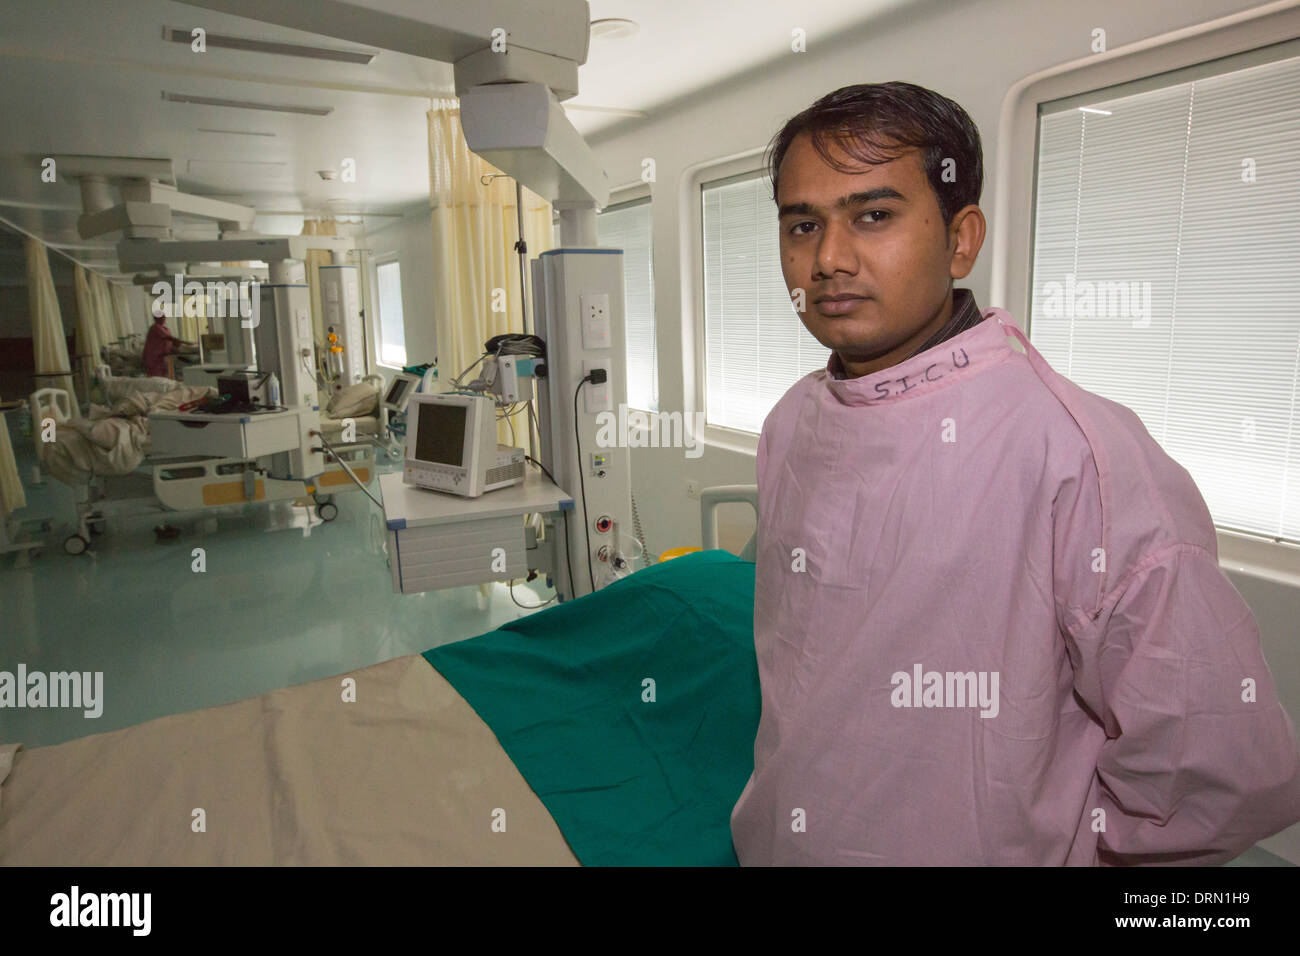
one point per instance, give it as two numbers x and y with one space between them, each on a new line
353 401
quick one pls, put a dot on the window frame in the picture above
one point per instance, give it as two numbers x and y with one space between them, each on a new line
377 326
695 361
623 198
1145 64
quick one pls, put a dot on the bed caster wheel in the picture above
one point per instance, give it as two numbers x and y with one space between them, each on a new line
328 511
322 499
75 544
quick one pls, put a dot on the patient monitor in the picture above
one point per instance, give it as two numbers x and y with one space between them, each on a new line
451 445
400 391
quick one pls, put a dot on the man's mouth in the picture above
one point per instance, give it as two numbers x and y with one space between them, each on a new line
839 304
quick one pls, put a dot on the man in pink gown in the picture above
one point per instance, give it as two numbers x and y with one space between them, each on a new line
990 621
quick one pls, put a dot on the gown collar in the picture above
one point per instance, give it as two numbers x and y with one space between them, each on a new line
980 346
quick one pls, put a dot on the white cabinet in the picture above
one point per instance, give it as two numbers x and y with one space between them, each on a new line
180 434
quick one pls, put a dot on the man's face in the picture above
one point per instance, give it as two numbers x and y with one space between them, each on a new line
876 235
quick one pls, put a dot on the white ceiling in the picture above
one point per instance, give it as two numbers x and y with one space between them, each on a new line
87 76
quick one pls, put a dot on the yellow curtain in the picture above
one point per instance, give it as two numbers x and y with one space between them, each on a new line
122 324
12 496
315 259
192 321
88 338
103 309
48 340
474 233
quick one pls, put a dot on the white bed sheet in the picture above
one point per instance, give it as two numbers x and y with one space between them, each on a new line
407 775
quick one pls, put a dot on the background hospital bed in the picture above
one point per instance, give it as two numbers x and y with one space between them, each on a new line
197 482
543 725
109 386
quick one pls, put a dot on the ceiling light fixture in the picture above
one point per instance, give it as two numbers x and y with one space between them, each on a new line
246 105
614 28
226 42
234 132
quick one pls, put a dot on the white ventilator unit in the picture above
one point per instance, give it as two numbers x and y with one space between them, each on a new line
281 329
451 445
340 301
511 115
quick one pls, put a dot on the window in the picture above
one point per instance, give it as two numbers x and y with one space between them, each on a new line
627 227
756 347
1164 270
392 331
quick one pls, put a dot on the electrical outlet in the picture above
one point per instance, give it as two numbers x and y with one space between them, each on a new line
597 396
692 488
594 309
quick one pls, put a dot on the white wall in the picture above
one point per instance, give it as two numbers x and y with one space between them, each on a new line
970 52
411 238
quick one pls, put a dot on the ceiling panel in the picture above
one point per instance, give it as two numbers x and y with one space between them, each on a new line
88 76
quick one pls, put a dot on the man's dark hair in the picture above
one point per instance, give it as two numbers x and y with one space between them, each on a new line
877 122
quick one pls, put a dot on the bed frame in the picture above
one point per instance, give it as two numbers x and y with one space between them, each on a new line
710 498
190 484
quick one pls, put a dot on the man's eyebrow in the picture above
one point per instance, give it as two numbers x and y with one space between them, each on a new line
844 202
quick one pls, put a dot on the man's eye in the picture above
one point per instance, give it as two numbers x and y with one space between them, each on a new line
883 214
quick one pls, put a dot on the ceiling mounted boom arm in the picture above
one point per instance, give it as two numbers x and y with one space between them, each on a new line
442 30
510 94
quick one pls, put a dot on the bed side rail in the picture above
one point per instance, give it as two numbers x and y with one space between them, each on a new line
710 498
45 403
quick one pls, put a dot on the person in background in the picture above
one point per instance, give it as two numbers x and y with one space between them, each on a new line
158 344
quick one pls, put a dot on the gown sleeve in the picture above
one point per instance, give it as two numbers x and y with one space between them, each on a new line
1200 760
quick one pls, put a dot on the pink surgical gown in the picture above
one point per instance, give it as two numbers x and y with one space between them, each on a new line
991 628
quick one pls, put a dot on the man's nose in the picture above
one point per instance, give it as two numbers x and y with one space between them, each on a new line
837 251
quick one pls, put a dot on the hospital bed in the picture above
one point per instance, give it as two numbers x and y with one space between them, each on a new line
195 475
540 743
125 358
367 422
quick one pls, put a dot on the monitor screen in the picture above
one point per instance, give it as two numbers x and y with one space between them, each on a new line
440 433
396 391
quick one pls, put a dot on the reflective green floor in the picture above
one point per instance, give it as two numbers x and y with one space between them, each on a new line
285 599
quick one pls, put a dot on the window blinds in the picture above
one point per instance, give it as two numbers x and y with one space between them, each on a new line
1166 258
755 345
